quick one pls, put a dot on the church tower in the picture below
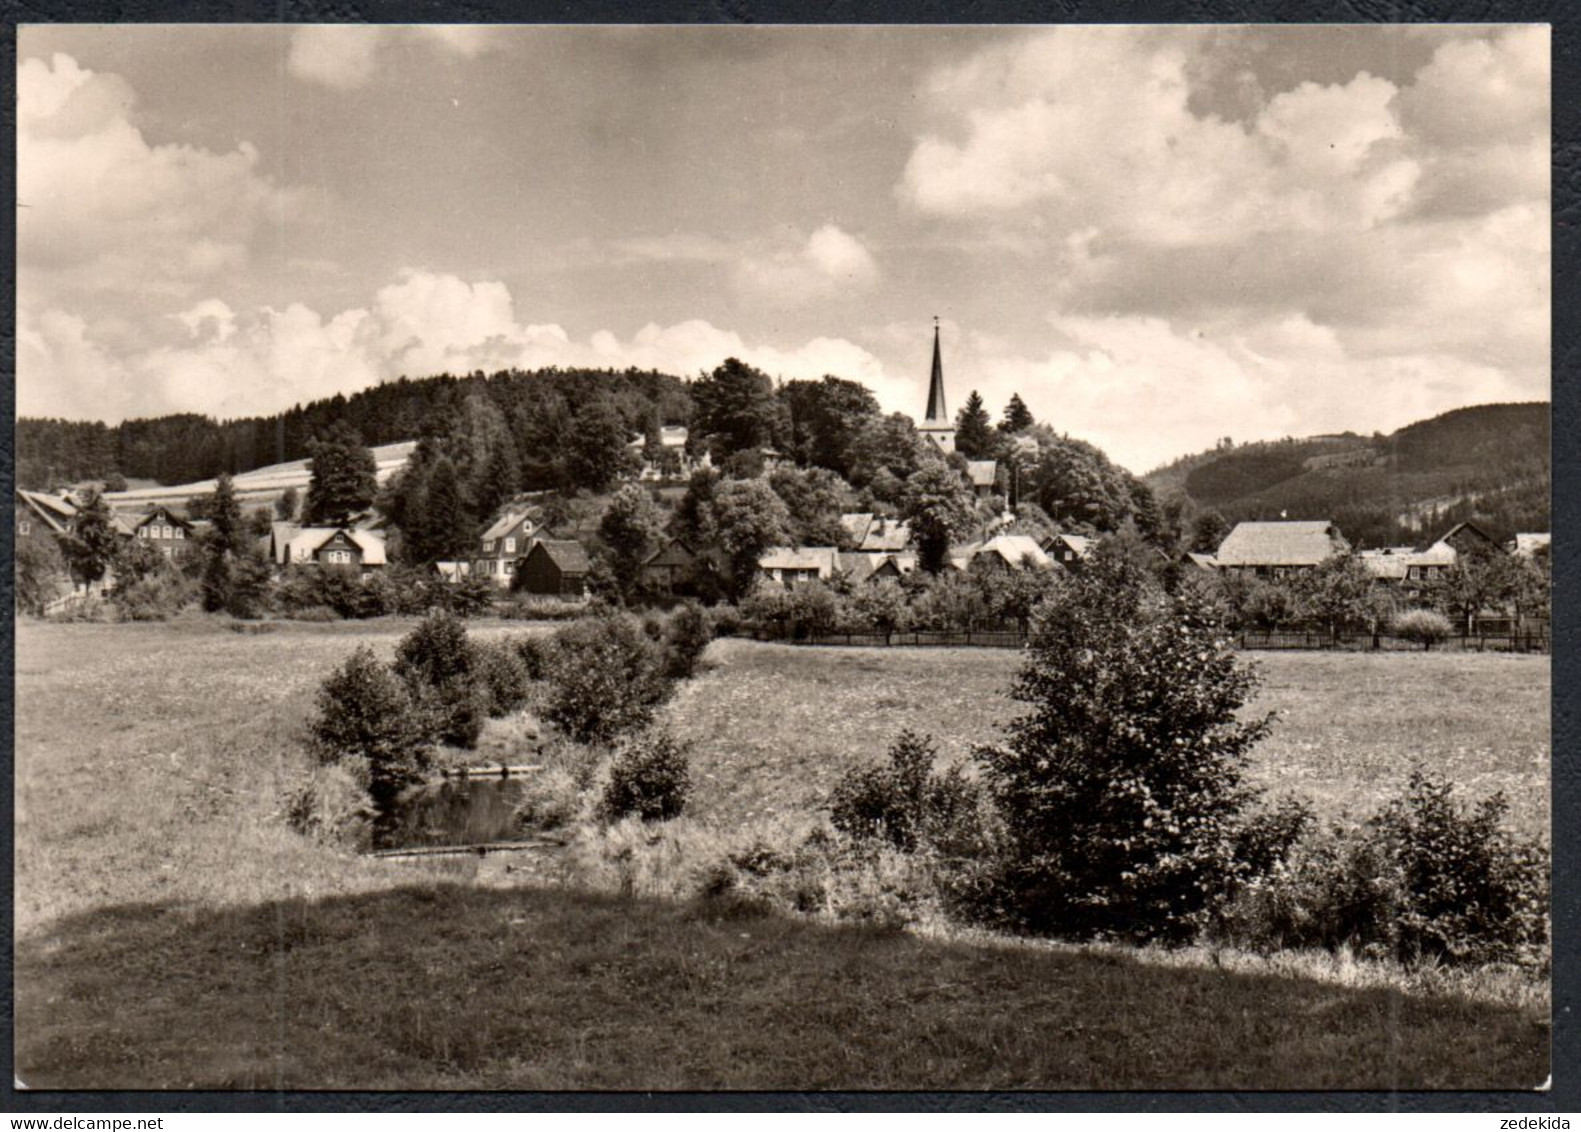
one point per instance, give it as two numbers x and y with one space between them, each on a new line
937 425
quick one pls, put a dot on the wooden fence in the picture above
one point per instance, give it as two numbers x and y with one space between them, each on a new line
1250 639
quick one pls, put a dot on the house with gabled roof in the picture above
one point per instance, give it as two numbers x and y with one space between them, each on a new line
789 565
1279 548
504 544
1067 550
675 568
1468 538
557 567
170 534
1009 552
344 550
983 475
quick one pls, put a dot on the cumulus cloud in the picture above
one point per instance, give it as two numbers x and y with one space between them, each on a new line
228 364
337 55
831 261
105 210
346 56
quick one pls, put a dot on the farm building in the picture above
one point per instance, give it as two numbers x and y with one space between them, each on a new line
341 549
554 566
1280 548
38 512
789 565
1468 538
166 532
503 546
676 568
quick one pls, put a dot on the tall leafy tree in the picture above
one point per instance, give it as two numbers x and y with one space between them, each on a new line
499 479
343 476
735 407
1208 529
826 417
974 431
285 507
631 528
226 528
595 450
92 543
939 507
1017 418
749 518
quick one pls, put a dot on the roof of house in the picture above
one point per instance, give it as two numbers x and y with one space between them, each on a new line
1439 554
886 534
1470 527
291 543
1297 542
670 436
163 514
567 554
981 473
1081 544
824 559
856 524
54 510
506 522
1202 561
675 552
1526 544
1015 549
1391 562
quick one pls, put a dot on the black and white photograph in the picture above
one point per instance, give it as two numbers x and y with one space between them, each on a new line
658 558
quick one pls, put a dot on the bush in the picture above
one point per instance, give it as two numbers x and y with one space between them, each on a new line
686 639
156 597
1120 791
1422 880
649 779
1425 627
313 613
436 652
1470 893
331 804
551 799
473 596
366 712
541 609
502 675
727 620
534 652
605 678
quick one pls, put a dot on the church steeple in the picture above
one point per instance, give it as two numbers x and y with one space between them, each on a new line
936 409
937 425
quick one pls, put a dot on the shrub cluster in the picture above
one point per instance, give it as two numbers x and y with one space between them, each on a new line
1425 627
367 715
907 804
1423 880
436 662
604 677
649 778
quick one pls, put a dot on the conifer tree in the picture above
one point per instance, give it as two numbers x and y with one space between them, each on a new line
974 431
92 544
449 527
1018 418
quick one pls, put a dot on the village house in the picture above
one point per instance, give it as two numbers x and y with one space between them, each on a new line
554 567
1530 545
38 512
1008 552
675 568
1280 548
1468 538
790 565
165 531
860 567
1068 551
504 545
343 550
877 534
983 476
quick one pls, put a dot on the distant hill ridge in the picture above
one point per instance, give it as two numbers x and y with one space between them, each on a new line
1490 463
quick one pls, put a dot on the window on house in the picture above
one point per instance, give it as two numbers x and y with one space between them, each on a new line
488 546
23 526
180 534
508 566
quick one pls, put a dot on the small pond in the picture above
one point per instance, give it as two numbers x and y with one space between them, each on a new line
458 812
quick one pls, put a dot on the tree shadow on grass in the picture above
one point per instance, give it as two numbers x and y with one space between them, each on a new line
449 986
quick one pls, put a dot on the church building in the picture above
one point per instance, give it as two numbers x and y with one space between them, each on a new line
937 425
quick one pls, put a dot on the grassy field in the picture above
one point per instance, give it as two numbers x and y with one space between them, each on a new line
172 932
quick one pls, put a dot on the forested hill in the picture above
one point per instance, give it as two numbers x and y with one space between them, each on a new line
186 447
1490 463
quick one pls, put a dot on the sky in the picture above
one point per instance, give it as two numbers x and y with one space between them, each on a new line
1158 237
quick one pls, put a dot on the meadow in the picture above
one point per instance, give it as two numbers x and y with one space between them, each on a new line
172 931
